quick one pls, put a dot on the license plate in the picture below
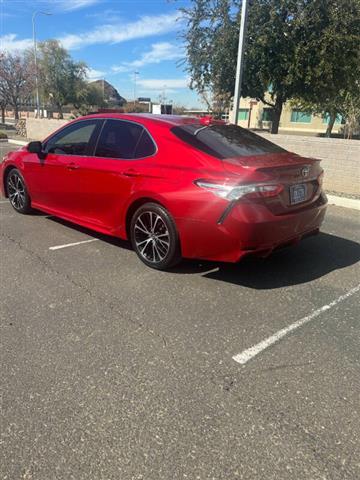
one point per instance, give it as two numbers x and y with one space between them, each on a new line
297 193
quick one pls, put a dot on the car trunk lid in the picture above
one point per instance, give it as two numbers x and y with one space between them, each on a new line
300 178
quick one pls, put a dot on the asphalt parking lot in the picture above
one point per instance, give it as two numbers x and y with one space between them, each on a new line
111 370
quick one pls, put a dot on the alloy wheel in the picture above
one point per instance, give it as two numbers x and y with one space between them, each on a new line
16 191
152 237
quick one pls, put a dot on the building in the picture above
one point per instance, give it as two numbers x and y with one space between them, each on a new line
255 114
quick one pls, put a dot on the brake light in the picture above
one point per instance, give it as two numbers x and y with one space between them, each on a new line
209 120
235 192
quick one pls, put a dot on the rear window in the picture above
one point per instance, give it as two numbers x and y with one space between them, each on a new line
225 141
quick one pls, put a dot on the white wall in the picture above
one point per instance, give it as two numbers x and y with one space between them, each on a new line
40 128
340 158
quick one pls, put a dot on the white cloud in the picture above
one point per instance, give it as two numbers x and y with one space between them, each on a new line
95 74
159 52
121 68
109 15
144 27
10 43
71 5
161 84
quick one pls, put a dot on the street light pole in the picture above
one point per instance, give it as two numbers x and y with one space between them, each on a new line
240 59
35 61
164 94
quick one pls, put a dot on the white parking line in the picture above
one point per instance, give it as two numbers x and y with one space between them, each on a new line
57 247
4 201
251 352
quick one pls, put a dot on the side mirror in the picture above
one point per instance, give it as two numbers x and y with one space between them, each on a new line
34 147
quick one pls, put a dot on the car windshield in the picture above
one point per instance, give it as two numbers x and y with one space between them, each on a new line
225 141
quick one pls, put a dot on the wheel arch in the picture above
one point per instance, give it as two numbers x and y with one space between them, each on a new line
134 206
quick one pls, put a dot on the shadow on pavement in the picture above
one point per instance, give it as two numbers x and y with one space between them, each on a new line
311 259
105 238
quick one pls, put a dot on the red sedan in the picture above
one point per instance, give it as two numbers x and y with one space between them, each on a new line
174 186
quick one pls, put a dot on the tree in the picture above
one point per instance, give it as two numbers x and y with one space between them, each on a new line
329 57
111 96
211 40
179 109
136 107
351 111
270 52
89 97
3 99
16 80
3 105
282 57
61 78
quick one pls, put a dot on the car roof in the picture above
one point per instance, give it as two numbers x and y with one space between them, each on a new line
145 118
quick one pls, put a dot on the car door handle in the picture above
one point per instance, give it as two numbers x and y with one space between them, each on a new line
131 173
72 166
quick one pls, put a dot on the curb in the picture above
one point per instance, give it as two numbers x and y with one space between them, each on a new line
17 142
344 202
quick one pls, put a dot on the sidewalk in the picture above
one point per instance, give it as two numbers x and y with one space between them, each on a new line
17 140
344 201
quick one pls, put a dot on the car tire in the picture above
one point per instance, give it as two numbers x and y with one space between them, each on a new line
17 192
154 237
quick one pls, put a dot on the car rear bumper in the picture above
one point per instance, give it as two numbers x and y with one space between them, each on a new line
249 229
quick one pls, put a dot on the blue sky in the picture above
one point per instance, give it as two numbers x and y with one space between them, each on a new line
114 37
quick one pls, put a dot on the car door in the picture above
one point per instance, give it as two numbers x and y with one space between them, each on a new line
54 175
108 177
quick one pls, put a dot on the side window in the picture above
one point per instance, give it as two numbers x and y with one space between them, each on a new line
145 146
72 140
118 139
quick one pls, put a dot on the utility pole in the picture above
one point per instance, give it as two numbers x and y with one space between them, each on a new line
35 61
240 59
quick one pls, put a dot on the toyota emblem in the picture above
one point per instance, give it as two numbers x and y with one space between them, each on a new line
305 171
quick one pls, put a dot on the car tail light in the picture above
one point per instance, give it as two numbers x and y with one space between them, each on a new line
209 120
235 192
